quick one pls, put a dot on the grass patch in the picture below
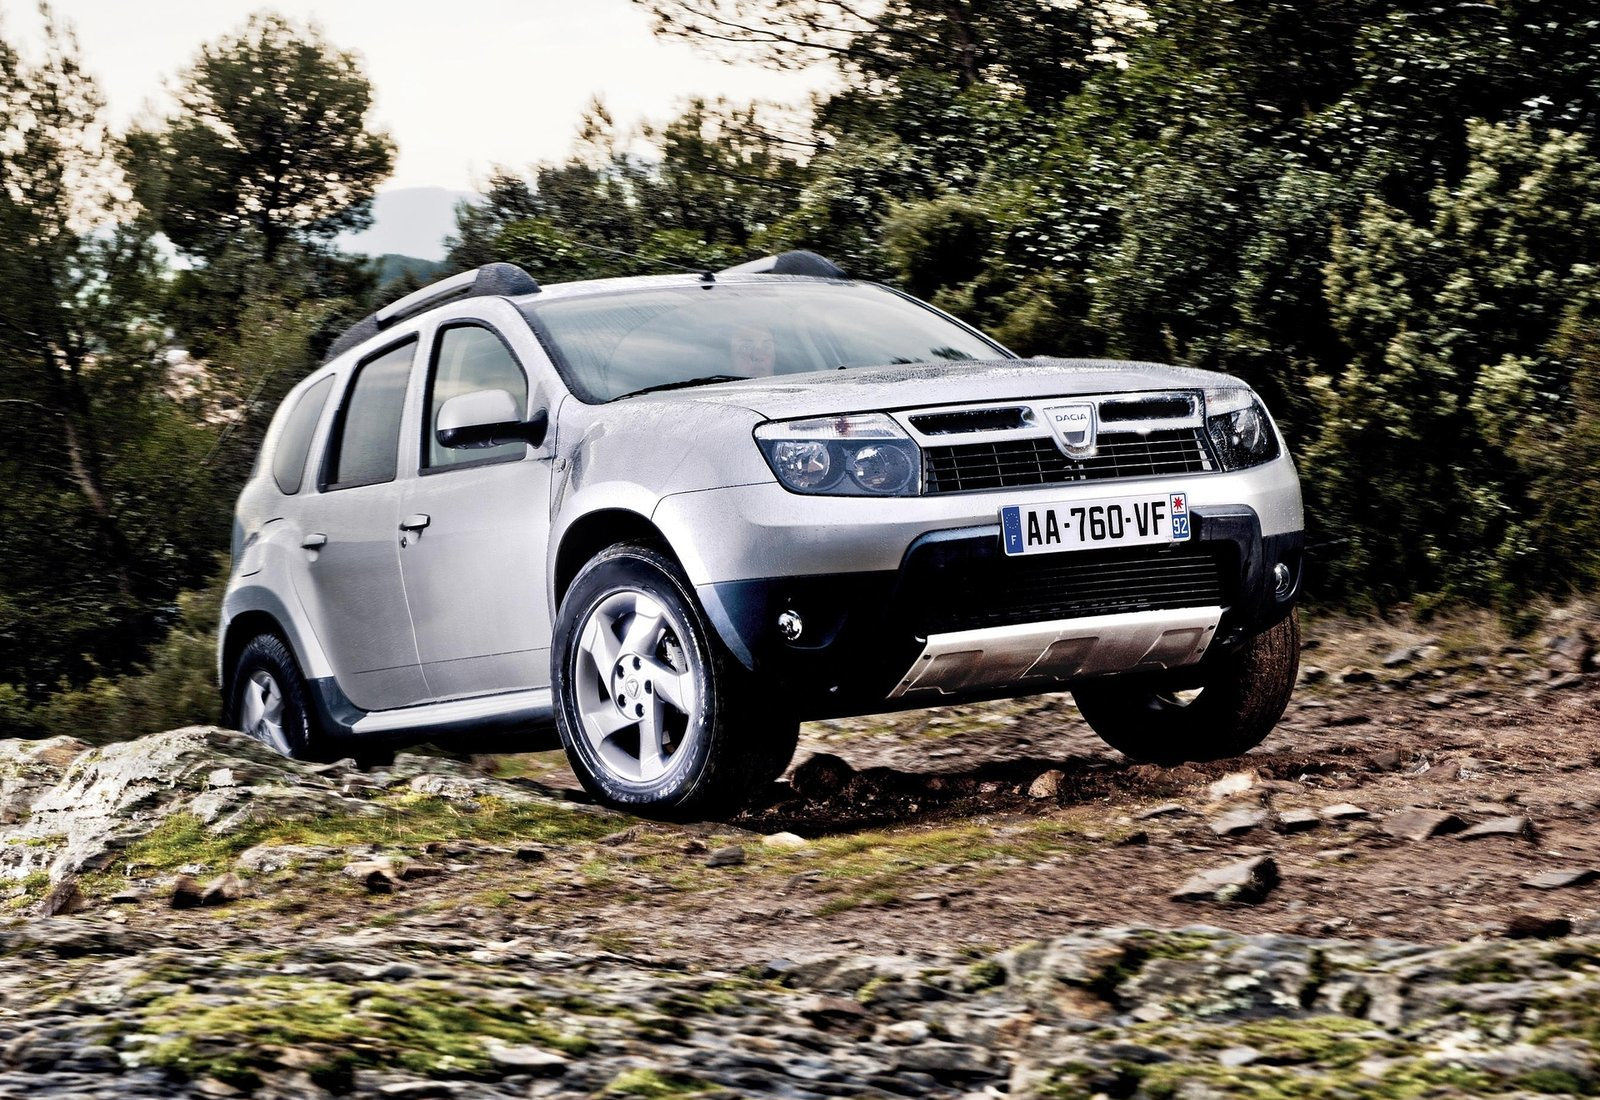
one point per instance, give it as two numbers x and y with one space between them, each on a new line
1489 968
879 866
411 822
426 1027
34 886
650 1084
1406 1080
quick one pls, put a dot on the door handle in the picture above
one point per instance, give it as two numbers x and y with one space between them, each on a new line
314 541
416 522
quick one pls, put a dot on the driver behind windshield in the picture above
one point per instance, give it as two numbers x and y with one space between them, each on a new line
753 352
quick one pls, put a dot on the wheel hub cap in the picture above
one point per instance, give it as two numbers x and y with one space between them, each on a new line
261 711
635 690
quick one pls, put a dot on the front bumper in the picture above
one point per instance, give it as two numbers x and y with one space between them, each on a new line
995 626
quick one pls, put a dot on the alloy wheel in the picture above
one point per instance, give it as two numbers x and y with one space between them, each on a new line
261 711
635 686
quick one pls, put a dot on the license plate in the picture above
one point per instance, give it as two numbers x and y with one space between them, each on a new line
1141 520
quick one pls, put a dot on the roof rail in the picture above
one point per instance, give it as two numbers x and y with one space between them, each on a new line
489 280
796 262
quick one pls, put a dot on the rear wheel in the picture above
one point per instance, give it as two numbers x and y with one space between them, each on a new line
1238 702
269 700
656 717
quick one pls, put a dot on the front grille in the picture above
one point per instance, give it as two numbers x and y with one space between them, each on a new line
1005 591
972 420
1170 406
1012 463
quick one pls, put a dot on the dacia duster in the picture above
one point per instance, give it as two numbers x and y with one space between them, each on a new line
672 517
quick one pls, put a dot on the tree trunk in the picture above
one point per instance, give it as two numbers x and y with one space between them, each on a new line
965 46
84 465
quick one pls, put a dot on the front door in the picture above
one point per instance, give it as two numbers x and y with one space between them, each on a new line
474 559
348 577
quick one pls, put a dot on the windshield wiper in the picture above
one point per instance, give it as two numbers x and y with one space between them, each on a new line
703 380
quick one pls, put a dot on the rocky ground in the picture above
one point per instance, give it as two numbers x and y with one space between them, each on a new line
1395 896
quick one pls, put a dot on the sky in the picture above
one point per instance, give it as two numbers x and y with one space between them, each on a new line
462 87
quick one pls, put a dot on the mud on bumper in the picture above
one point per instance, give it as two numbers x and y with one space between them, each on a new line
862 633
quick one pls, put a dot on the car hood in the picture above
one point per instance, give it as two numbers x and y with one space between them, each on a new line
867 389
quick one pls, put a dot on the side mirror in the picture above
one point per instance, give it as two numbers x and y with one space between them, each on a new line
487 418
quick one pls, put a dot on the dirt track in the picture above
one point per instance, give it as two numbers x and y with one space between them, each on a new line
1465 730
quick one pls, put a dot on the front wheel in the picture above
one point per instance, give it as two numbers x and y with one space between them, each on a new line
655 716
1239 701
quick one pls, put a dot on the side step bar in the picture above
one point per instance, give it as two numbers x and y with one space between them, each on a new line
515 708
1059 650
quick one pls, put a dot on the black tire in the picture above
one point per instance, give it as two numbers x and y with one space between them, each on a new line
1240 700
727 754
265 654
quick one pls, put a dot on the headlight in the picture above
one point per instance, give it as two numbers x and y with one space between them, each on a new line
1239 429
864 454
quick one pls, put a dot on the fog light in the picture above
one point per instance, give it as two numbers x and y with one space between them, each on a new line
790 626
1283 577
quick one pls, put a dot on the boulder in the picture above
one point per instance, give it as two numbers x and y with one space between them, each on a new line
1562 878
731 856
63 899
186 893
1512 826
1047 784
75 814
1247 882
821 777
1298 821
1231 784
1421 824
1238 822
785 842
222 890
379 876
528 1059
1569 652
1535 926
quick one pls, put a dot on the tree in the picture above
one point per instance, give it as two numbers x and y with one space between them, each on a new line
102 524
1468 357
710 198
1044 47
270 143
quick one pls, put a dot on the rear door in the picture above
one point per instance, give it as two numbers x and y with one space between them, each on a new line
348 572
474 563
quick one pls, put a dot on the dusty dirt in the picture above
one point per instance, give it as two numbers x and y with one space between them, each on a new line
1465 729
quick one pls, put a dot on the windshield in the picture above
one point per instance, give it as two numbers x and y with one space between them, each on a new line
610 345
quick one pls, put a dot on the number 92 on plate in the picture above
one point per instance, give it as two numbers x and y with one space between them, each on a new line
1141 520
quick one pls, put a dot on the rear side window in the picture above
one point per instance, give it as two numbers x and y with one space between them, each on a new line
367 442
294 442
469 358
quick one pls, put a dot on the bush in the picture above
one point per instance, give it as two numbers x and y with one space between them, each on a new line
177 686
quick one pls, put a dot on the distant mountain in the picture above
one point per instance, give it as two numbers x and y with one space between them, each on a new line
392 266
409 221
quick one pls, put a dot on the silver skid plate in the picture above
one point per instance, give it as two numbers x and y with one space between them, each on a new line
1059 650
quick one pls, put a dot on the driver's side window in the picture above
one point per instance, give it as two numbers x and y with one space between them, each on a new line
467 358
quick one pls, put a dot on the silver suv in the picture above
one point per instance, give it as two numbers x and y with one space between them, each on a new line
672 517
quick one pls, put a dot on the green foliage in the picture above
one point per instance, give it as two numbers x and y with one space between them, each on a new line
135 396
720 182
176 686
269 143
1376 212
97 456
424 1027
